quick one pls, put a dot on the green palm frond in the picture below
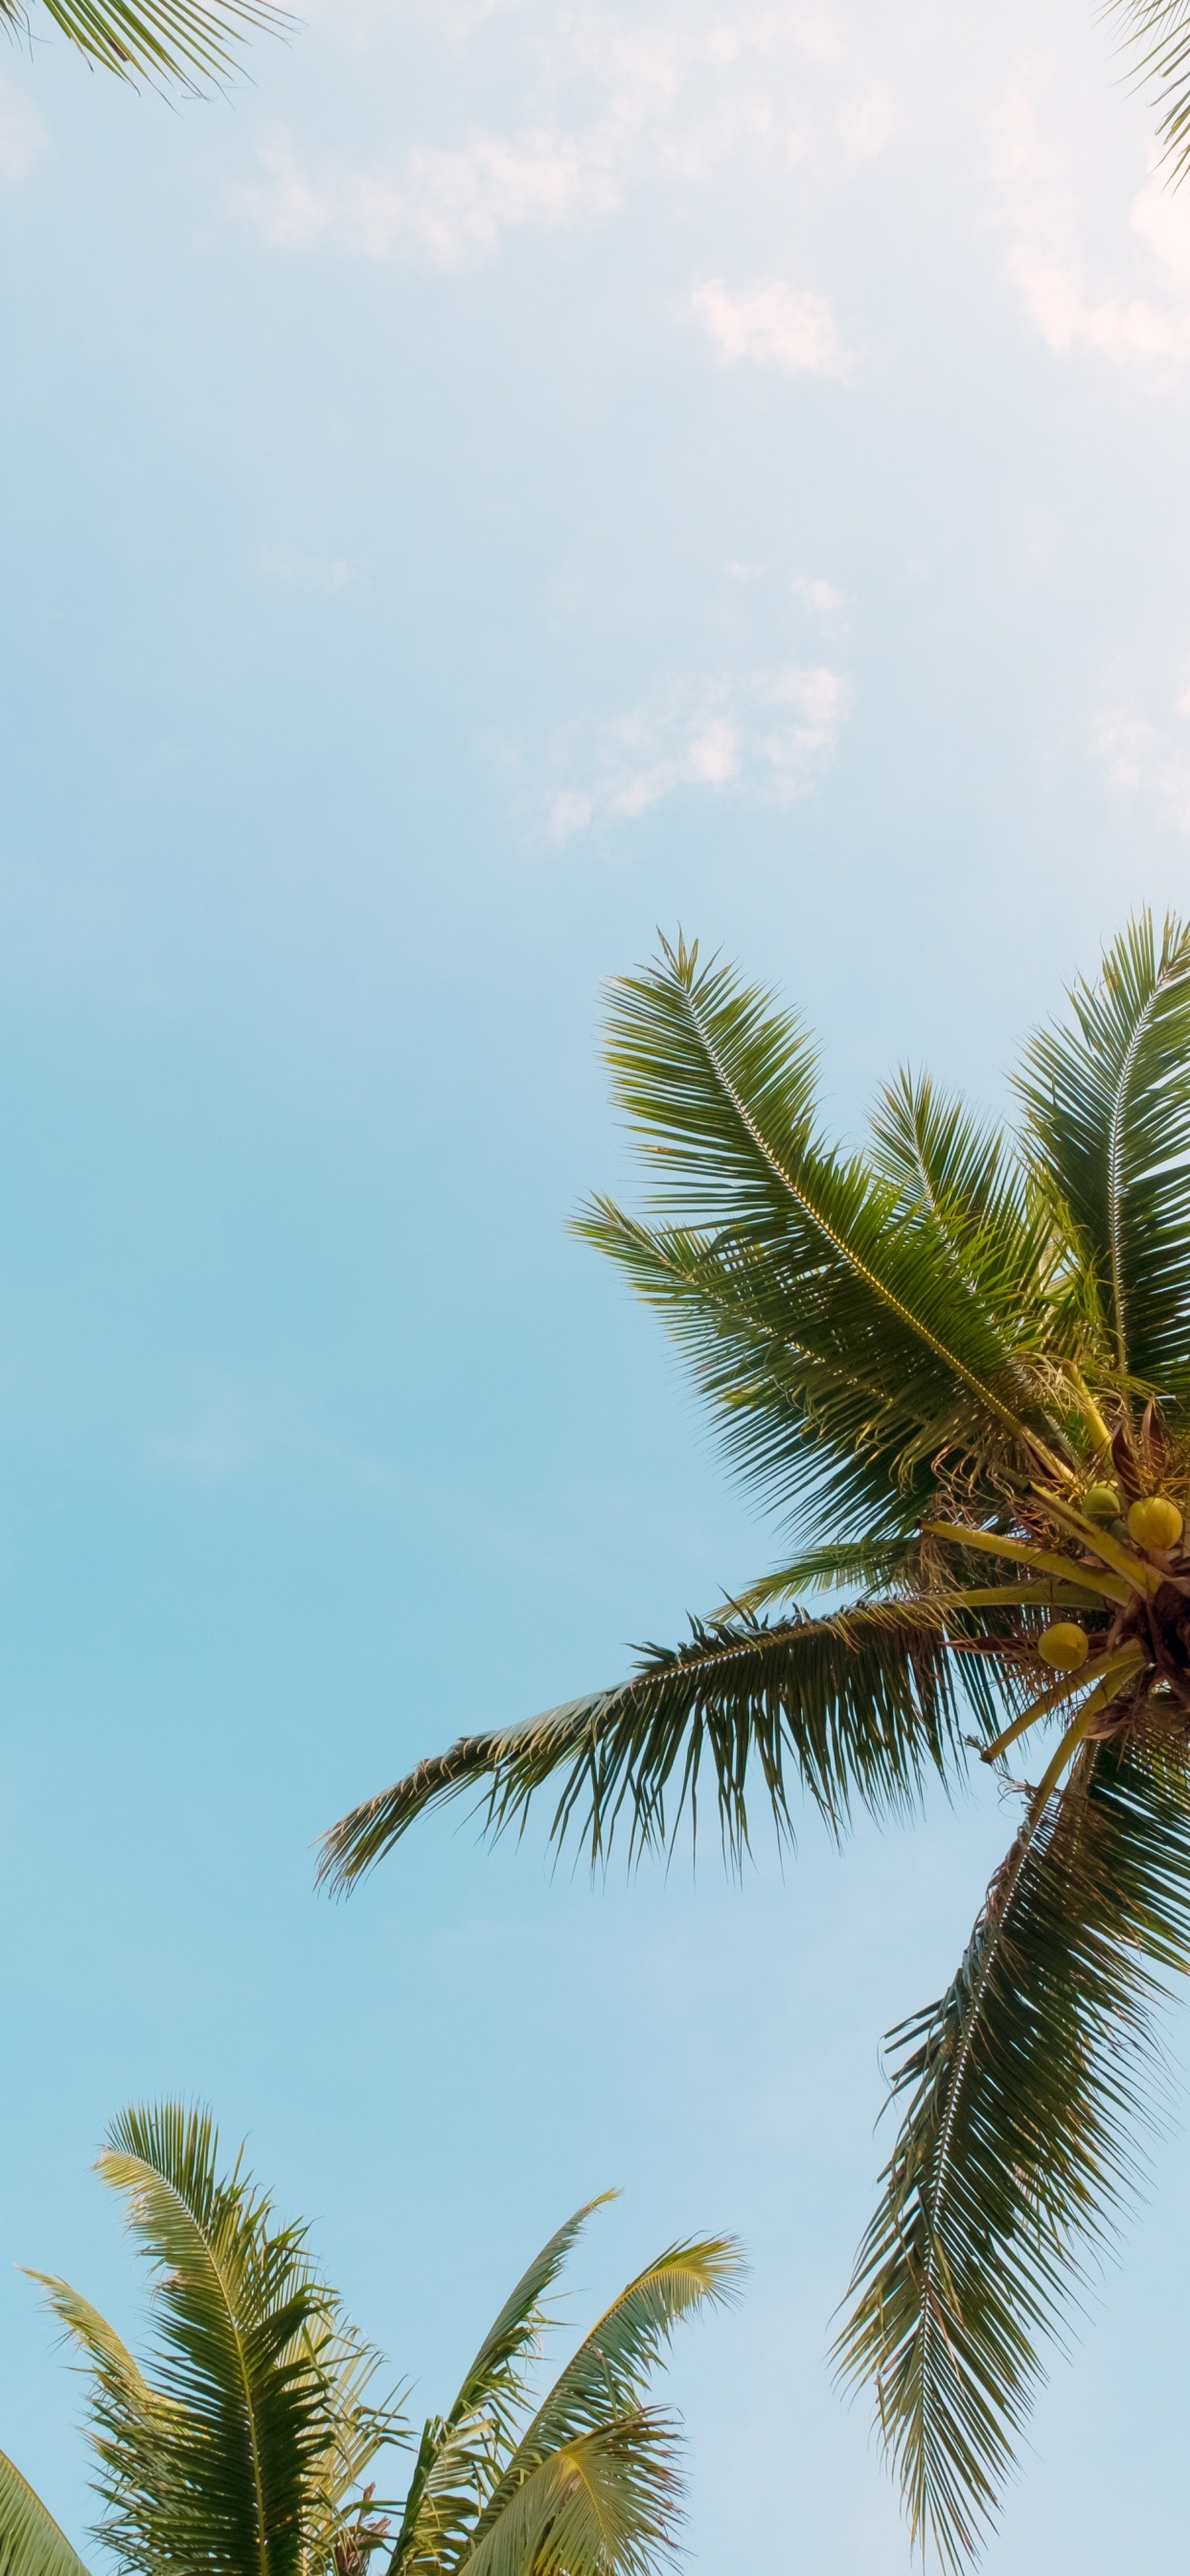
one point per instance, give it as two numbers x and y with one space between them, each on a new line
719 1087
1159 31
605 2504
605 2381
182 41
1024 2086
861 1706
462 2453
31 2543
241 2446
1107 1109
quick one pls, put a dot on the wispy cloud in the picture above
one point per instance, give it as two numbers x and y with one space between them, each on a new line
324 573
769 736
612 102
1138 316
23 135
783 326
1148 761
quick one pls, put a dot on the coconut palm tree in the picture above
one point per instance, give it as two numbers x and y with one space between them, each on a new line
1158 32
960 1367
244 2446
182 41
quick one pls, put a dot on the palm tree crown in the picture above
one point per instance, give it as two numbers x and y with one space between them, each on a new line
960 1367
244 2446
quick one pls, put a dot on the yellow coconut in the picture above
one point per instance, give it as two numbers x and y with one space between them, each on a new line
1101 1503
1065 1645
1155 1523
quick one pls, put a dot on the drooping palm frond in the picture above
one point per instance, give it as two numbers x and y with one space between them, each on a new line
1107 1109
1024 2086
242 2446
188 42
860 1707
31 2543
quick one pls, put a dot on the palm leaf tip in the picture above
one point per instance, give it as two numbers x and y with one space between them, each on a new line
361 1838
186 42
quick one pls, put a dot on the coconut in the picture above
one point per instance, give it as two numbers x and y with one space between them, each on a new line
1065 1645
1154 1523
1101 1503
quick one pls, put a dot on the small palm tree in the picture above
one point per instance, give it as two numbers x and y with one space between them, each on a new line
182 41
962 1369
244 2447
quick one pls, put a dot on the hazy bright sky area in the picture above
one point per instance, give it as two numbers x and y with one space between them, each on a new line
504 478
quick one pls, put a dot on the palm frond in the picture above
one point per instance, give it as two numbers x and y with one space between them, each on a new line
31 2543
861 1706
238 2449
462 2453
604 2504
1024 2088
183 41
719 1087
1107 1116
1159 30
605 2381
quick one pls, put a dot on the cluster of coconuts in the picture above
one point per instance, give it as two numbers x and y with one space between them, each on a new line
1152 1524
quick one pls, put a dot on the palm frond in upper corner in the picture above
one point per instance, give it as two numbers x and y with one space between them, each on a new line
31 2543
1107 1116
1024 2085
1159 33
861 1706
187 42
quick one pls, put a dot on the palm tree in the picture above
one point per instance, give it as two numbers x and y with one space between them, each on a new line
961 1368
171 40
244 2447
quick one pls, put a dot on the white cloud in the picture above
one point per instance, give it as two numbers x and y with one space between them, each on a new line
1147 760
824 597
769 735
326 573
23 135
1147 330
785 326
612 103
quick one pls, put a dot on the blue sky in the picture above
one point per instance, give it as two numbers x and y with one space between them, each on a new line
505 478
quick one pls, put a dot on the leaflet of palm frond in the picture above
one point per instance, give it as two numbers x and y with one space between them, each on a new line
606 2379
606 2504
858 1707
173 40
719 1085
1025 2086
1107 1112
236 2448
31 2543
